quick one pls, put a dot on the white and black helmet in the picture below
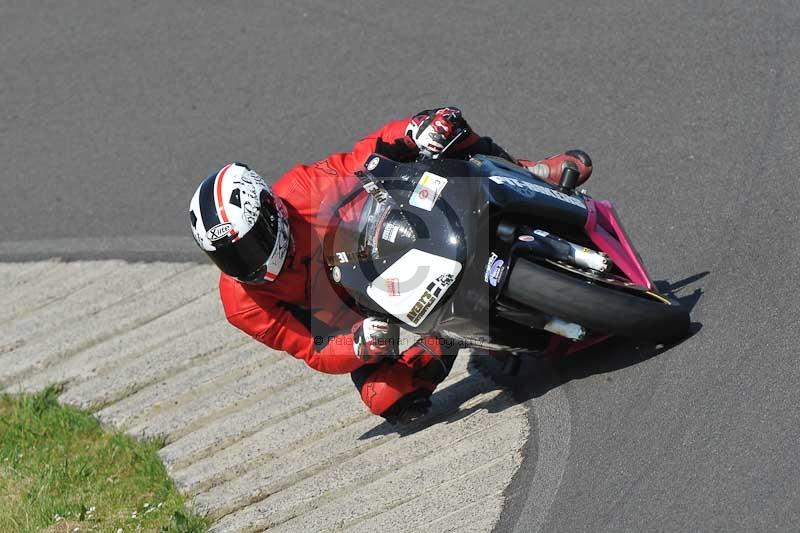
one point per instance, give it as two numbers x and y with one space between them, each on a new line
240 223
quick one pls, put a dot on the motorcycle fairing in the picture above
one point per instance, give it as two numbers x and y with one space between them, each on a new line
514 190
460 225
392 243
605 230
598 218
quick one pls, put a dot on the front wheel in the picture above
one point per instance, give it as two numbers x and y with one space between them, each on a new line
596 307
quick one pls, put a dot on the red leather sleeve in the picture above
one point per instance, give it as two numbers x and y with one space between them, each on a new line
307 187
390 140
265 321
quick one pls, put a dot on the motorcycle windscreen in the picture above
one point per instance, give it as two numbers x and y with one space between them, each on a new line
385 256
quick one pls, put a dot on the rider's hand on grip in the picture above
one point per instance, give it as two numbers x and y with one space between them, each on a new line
375 339
432 130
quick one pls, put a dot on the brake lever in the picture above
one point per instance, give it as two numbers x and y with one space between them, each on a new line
457 137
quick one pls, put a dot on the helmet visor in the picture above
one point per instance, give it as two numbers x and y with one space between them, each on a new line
243 258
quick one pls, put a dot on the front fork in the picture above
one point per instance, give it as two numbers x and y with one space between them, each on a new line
540 244
543 245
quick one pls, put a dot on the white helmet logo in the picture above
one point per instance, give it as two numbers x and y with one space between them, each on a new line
219 231
373 163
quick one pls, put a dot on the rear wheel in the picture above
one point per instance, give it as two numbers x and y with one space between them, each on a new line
642 316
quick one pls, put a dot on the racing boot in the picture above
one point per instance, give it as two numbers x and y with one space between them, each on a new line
431 362
410 408
550 169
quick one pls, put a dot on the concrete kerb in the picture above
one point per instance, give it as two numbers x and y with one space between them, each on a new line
255 438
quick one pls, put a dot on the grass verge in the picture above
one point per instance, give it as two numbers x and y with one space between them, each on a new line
60 470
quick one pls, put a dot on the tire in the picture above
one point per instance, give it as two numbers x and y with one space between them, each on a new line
595 307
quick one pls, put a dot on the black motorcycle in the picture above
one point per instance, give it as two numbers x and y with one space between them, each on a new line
484 254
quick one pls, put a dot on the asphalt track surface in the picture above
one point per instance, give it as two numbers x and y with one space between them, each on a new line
111 112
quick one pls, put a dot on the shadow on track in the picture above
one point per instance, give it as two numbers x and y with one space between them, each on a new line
537 376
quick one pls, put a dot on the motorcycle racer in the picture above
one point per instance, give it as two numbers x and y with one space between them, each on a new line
274 285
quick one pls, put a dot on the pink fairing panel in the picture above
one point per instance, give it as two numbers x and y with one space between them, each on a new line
605 231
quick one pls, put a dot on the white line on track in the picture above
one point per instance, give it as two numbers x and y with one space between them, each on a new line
554 432
180 247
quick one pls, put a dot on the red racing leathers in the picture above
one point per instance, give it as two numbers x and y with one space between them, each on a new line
271 312
298 312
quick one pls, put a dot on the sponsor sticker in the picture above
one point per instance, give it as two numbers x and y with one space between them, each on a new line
373 163
427 191
219 231
529 188
336 274
489 263
379 194
390 232
526 238
496 272
421 308
445 280
433 292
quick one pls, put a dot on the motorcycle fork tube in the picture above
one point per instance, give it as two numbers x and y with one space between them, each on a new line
554 248
547 246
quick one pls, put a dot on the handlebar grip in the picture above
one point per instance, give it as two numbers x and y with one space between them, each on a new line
569 176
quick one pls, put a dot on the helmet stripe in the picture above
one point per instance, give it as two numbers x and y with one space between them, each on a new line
208 214
218 187
220 201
